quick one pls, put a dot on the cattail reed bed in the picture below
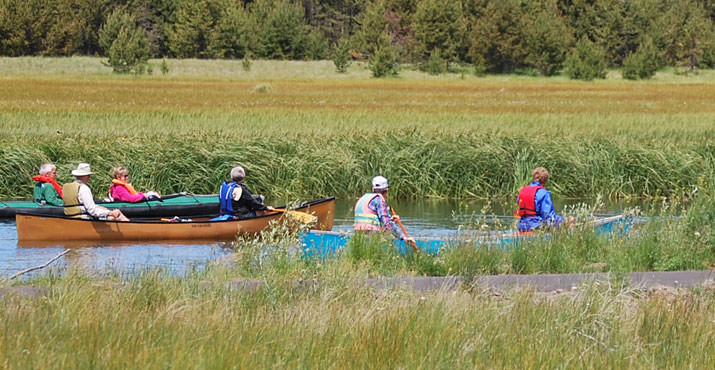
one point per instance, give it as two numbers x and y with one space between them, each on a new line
159 321
418 164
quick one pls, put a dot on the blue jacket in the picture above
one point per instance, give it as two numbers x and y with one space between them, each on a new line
544 209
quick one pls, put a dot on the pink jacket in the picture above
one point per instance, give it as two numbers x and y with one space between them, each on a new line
121 194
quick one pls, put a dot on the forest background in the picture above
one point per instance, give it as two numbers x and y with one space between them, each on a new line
493 36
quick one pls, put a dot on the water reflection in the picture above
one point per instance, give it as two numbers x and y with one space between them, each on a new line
429 217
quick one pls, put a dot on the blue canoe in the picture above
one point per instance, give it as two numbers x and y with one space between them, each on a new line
325 243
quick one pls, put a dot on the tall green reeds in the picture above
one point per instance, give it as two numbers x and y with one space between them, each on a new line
417 164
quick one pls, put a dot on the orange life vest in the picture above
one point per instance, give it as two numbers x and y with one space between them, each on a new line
51 181
127 185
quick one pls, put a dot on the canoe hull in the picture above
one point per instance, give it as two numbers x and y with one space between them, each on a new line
32 227
326 243
170 206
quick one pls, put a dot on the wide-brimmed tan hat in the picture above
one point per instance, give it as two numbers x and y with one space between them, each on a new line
82 170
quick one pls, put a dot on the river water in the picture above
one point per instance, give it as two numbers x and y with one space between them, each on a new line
425 217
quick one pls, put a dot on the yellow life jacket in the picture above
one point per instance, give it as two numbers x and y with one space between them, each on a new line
70 192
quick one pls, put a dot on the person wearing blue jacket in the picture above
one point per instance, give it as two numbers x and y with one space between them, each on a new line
535 205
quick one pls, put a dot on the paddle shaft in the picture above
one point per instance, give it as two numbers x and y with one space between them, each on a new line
404 231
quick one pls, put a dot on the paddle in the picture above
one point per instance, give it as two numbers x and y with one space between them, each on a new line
303 217
404 231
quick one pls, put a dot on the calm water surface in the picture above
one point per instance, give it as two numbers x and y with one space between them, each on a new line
421 217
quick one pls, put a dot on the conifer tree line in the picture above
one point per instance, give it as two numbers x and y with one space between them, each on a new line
493 36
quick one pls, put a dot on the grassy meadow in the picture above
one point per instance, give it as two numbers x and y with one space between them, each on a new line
302 130
158 321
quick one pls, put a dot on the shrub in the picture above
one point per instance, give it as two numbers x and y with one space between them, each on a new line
643 63
586 62
126 44
341 58
246 62
164 66
384 62
436 65
316 46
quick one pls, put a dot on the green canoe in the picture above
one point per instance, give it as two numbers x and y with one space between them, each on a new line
169 206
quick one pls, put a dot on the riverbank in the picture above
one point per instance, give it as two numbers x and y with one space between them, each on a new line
154 320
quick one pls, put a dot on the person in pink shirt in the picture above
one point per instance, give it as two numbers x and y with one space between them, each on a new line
123 191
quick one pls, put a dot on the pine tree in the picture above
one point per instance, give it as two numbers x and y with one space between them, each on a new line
124 43
586 62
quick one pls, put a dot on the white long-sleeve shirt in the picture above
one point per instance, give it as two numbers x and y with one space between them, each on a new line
86 200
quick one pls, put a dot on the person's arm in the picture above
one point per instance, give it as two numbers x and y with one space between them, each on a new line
383 213
547 212
249 201
120 193
50 196
87 200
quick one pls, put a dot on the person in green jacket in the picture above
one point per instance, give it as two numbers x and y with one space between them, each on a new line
47 189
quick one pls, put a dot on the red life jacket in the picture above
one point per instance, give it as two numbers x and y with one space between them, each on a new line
49 180
527 200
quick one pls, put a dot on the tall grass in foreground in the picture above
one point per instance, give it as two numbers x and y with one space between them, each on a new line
418 164
157 321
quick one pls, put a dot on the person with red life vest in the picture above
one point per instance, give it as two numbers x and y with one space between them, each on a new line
123 191
535 205
372 213
47 189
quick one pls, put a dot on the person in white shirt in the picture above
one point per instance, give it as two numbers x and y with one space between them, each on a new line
79 201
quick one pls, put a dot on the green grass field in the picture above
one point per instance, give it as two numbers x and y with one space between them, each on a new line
303 130
156 321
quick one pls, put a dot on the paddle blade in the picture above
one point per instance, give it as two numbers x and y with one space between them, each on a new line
303 217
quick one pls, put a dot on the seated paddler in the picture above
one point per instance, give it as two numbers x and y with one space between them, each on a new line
236 200
372 213
79 201
536 208
47 189
123 191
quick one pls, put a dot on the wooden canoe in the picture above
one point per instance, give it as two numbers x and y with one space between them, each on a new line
32 227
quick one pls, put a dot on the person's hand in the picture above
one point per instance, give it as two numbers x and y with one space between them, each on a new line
270 208
395 218
151 195
117 215
410 240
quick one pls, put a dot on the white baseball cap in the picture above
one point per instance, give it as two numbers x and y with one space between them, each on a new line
379 183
